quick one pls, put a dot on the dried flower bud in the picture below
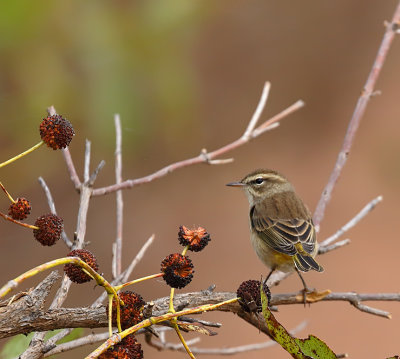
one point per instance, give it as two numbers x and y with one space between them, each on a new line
131 312
56 132
127 348
50 228
74 272
178 270
249 292
20 209
116 352
133 345
196 238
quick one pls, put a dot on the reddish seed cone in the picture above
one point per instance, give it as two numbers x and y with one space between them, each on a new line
50 229
131 312
74 272
178 270
249 292
20 209
128 348
56 132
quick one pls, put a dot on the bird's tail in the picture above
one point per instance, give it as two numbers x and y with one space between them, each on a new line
305 263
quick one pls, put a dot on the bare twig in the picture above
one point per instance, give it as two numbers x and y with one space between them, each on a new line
88 339
67 157
260 108
86 168
328 248
123 277
71 168
209 157
73 344
162 345
273 121
117 246
368 208
358 113
52 206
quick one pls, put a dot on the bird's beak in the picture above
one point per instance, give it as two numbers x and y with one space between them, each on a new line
235 184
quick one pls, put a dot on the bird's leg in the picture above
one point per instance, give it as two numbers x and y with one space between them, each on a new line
269 275
305 287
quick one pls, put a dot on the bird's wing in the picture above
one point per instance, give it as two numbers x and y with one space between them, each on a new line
283 234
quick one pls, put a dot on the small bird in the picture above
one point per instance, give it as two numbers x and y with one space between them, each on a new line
281 228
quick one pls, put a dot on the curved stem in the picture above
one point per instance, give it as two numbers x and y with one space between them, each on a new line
182 339
26 225
11 160
185 250
6 192
119 287
171 301
110 302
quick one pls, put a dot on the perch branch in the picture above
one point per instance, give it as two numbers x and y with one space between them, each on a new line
358 113
95 317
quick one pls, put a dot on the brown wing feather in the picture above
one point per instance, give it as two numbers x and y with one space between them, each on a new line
286 227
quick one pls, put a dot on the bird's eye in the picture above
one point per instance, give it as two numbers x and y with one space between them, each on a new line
259 180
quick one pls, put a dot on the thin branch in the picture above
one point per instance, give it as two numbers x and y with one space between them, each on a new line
260 108
95 173
71 168
221 351
204 156
86 340
67 157
328 248
52 207
117 246
274 121
86 168
368 208
73 344
123 277
358 113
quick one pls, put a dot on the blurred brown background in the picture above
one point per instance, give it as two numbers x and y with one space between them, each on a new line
185 75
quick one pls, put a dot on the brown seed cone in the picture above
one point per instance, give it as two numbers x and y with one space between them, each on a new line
127 348
249 292
50 228
131 311
56 132
196 238
178 270
133 345
116 352
74 272
20 209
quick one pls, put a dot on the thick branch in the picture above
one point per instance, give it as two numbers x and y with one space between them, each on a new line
89 317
